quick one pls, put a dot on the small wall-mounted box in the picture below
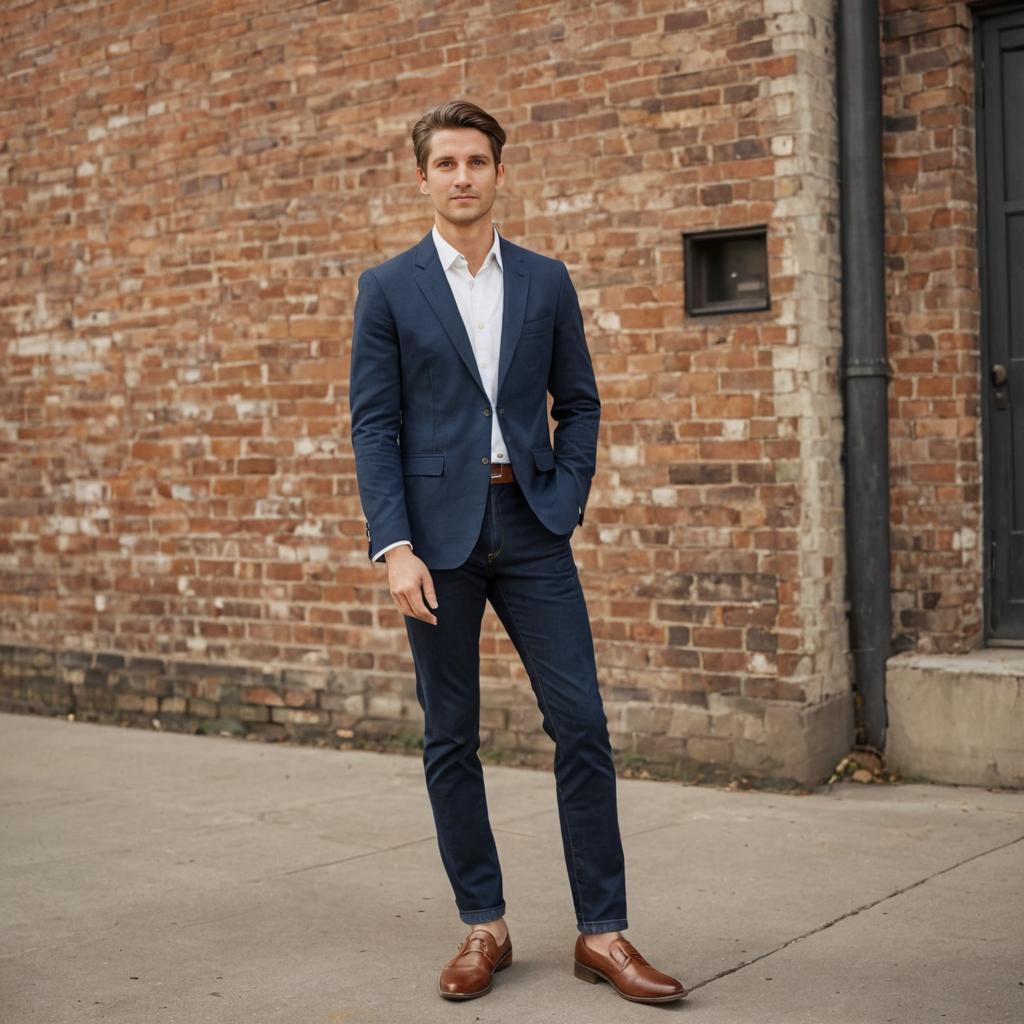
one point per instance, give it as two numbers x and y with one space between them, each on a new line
726 271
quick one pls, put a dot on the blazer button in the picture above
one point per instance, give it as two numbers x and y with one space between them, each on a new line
487 411
485 460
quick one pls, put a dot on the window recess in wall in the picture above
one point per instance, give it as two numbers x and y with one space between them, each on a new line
726 271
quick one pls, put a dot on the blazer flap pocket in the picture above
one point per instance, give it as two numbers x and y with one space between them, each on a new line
428 464
544 457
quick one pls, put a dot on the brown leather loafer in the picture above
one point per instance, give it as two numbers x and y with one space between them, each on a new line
471 971
626 971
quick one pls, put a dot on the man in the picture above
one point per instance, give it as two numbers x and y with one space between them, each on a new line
456 343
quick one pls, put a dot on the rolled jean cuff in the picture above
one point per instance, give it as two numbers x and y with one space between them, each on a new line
613 924
480 916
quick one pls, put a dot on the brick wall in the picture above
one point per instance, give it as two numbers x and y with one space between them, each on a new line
189 196
933 299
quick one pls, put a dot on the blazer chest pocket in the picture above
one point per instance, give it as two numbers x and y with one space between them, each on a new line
427 464
544 457
542 325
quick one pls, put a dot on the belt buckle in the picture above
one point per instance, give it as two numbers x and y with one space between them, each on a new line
496 470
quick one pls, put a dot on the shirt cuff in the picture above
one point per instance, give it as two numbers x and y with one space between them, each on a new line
377 557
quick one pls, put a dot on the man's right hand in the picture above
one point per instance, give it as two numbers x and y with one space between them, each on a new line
408 580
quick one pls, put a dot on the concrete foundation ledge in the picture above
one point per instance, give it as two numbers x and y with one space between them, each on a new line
957 718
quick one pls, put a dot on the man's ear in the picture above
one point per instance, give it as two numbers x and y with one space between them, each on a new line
499 177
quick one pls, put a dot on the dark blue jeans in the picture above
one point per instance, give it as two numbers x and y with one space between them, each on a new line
529 576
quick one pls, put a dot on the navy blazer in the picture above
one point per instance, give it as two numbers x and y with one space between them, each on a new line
421 419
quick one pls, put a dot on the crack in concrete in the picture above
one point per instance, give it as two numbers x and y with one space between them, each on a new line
852 913
376 852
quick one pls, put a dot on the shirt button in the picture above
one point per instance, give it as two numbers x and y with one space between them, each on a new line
501 455
480 326
483 366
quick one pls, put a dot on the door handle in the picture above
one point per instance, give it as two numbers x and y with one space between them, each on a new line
999 386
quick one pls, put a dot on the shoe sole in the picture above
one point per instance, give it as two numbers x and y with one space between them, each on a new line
499 966
593 976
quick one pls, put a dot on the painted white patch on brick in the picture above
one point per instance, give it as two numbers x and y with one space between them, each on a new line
32 345
758 664
246 407
568 204
782 145
89 491
965 539
624 455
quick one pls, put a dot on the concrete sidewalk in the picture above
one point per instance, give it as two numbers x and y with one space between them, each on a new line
157 877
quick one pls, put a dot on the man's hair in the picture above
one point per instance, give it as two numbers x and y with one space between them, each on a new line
455 114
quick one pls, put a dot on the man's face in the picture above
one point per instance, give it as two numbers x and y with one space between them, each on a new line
461 177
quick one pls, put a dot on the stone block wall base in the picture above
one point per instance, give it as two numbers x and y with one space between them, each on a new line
777 741
957 718
801 742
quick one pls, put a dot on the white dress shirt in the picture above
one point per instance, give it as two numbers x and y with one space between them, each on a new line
480 299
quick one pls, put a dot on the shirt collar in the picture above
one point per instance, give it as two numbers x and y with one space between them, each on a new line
448 254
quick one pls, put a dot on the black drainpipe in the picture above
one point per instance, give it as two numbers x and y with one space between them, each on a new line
865 369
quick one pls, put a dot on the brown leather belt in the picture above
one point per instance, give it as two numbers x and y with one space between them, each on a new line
501 473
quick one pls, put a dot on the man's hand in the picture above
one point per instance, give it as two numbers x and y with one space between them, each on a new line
408 580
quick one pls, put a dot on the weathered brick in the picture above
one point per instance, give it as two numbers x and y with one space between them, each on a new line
201 556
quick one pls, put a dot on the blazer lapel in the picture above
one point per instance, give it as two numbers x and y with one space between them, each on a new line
430 277
516 285
432 282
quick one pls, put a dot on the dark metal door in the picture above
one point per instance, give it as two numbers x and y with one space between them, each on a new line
999 56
